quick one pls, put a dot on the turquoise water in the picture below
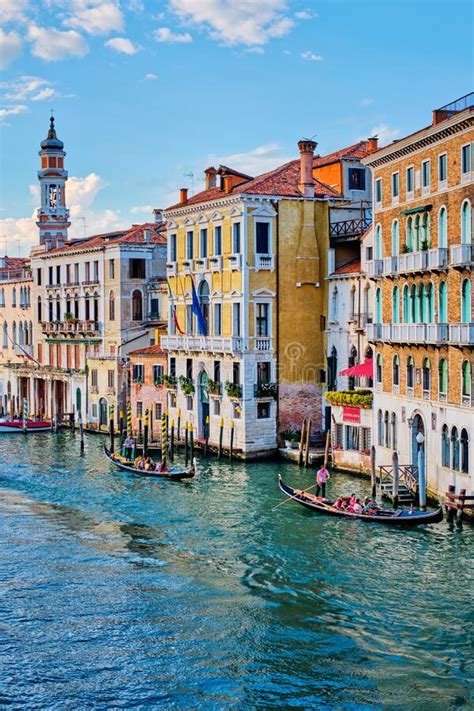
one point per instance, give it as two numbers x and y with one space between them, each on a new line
119 592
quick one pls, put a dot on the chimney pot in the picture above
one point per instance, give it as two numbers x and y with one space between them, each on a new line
373 142
227 183
210 175
183 196
158 213
306 148
146 235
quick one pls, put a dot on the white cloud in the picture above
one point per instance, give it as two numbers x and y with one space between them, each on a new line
366 101
96 18
45 93
305 15
385 133
13 110
164 34
256 161
236 22
150 76
255 50
12 11
23 88
51 45
311 57
123 45
80 197
141 209
10 47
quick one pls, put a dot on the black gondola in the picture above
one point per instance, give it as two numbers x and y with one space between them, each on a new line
174 473
398 517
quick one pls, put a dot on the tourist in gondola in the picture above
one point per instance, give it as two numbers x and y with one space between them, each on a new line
322 477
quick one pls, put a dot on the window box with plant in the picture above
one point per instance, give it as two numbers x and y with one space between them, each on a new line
291 438
214 388
233 390
168 381
266 390
186 385
354 398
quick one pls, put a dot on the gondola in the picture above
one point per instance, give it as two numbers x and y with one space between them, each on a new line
15 426
395 517
174 473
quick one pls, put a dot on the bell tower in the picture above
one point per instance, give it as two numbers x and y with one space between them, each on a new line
53 215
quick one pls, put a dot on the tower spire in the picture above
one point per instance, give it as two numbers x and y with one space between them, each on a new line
53 215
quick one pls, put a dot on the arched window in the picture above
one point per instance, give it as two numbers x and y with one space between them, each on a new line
466 228
442 228
466 301
204 301
414 304
426 377
14 333
395 238
378 242
352 305
420 298
378 368
409 234
137 306
443 378
334 305
5 335
111 306
387 429
378 306
380 428
454 449
393 421
396 370
332 369
352 361
21 335
50 310
31 333
40 310
395 305
464 451
14 296
406 305
445 447
429 296
443 303
425 236
410 373
466 382
417 235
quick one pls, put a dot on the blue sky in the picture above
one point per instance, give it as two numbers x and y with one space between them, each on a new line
146 92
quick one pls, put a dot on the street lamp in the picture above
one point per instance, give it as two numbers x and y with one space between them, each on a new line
420 439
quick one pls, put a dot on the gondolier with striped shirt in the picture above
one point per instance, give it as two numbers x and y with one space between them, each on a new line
322 477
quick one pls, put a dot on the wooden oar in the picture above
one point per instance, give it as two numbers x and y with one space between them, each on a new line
293 497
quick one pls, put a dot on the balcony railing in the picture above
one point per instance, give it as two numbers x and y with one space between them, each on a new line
15 274
171 268
23 350
215 263
431 333
200 264
91 281
349 229
426 260
235 261
263 261
462 255
216 344
71 328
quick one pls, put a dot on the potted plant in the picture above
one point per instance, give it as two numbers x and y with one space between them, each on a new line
186 385
233 390
266 390
169 381
291 438
213 387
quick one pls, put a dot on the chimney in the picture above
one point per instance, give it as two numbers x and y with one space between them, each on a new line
3 262
146 235
306 184
183 196
373 144
158 213
228 183
210 177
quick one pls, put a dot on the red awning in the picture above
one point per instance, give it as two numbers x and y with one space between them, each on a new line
361 370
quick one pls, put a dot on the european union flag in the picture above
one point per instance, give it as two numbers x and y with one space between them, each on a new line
202 328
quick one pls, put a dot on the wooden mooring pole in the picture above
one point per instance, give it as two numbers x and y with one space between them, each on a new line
307 443
206 435
172 441
186 445
302 439
111 426
81 431
221 437
146 426
396 479
450 510
461 502
231 446
373 472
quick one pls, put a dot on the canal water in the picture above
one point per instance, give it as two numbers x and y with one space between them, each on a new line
120 592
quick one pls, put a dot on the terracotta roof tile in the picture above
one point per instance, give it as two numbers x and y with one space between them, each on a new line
356 152
13 263
148 351
133 235
352 267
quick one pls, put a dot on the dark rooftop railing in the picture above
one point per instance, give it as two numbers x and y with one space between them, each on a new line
350 228
455 107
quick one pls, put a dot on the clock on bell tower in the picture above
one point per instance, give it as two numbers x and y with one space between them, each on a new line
53 215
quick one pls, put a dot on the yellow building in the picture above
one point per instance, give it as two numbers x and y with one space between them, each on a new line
255 252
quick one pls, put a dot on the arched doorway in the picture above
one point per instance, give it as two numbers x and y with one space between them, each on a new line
102 412
203 402
204 302
418 427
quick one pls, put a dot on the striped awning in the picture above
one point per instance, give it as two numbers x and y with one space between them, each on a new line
421 208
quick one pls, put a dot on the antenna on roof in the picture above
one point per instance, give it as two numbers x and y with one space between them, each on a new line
190 175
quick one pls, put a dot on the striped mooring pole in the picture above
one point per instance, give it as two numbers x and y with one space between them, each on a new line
121 426
129 420
231 447
186 447
172 440
221 437
111 426
164 440
146 424
25 414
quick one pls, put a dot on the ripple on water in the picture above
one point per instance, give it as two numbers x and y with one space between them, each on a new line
117 592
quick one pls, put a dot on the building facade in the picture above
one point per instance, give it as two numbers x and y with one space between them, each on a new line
421 264
148 392
254 252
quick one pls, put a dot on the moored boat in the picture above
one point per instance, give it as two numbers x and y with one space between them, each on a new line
173 473
12 426
394 517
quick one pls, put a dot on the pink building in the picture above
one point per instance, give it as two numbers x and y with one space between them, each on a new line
147 366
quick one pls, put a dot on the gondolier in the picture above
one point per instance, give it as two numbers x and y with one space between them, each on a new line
322 477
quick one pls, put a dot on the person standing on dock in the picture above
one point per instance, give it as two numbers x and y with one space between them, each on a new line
322 477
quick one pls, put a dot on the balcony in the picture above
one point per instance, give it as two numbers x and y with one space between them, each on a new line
215 263
425 260
263 261
349 229
188 266
171 268
216 344
462 255
24 350
92 281
235 262
71 328
422 333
